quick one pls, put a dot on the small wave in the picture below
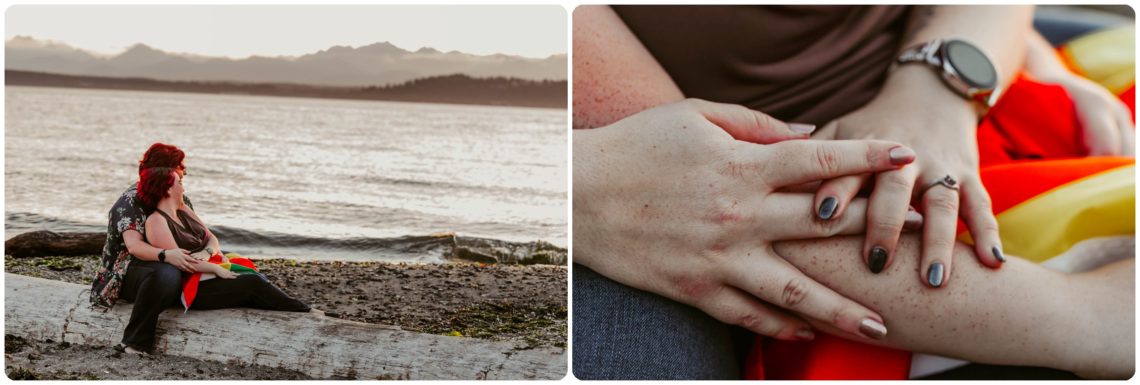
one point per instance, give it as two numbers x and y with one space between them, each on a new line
441 247
455 186
20 222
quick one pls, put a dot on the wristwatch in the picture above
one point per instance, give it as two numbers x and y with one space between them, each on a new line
964 67
162 255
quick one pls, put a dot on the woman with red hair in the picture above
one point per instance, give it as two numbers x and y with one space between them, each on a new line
151 267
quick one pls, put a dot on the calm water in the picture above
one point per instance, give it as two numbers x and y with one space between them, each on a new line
268 168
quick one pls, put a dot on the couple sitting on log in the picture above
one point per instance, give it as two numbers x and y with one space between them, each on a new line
159 253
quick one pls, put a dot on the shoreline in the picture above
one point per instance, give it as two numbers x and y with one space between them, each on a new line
523 305
444 247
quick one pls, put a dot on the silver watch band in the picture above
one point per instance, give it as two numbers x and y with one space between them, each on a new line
927 52
930 53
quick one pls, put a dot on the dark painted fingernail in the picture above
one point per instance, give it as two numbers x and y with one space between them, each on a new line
997 254
934 275
827 208
802 128
872 329
877 259
805 334
913 221
901 155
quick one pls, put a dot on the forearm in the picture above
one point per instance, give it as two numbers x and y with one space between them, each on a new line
214 245
614 75
1021 314
997 30
207 267
1042 62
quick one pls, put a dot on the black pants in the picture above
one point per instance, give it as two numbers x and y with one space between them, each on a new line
154 286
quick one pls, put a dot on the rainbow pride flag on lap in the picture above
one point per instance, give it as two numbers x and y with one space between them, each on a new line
236 264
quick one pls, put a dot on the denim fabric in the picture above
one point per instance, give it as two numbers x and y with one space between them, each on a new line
621 333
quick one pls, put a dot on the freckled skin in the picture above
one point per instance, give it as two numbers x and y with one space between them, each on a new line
612 84
1083 323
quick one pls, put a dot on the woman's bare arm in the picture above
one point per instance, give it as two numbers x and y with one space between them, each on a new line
1022 314
158 233
614 75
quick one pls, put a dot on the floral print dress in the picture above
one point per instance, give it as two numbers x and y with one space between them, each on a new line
127 214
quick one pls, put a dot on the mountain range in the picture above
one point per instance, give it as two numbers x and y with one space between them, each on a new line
371 65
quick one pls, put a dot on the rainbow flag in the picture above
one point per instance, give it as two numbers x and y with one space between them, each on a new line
236 264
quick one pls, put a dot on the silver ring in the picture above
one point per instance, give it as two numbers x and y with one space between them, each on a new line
946 181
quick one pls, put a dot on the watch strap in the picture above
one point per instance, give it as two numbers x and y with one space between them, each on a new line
162 255
924 53
929 53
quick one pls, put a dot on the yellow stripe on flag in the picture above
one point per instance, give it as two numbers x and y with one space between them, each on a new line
1047 225
1106 57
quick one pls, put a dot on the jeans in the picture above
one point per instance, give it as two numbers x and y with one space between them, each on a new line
154 286
621 333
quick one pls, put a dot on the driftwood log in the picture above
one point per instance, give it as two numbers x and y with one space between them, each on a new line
48 243
318 346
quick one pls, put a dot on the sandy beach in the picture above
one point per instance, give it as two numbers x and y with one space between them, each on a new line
524 305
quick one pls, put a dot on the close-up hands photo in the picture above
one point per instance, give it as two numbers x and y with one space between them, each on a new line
567 191
853 192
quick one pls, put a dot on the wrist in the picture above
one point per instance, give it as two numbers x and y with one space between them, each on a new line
919 88
587 194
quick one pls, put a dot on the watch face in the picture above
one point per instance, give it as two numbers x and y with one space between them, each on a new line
971 64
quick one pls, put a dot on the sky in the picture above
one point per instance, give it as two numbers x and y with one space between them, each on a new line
239 31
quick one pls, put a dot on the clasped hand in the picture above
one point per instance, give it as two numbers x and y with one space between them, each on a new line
685 200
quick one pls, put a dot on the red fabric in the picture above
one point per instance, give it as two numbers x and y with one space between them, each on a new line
1027 145
1129 98
832 358
243 262
1032 121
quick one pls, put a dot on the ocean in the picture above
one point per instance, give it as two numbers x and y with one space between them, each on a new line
293 177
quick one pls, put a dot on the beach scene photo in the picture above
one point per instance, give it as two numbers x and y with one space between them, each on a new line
386 186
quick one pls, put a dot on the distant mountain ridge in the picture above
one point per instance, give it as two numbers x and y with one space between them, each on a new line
454 89
371 65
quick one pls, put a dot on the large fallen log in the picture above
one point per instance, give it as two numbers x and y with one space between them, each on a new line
48 243
318 346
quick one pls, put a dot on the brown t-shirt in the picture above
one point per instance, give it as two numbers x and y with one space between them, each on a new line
189 234
805 64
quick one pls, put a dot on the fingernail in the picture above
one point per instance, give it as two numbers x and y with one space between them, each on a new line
934 274
913 221
802 128
872 329
901 155
805 334
877 259
827 208
997 254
